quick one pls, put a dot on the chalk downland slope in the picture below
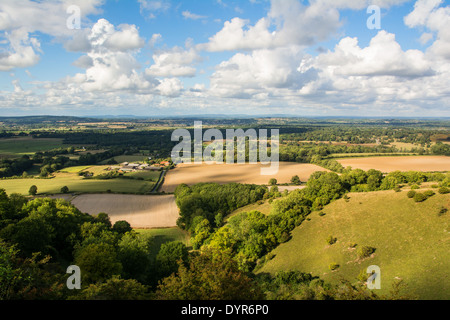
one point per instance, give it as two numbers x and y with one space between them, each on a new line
412 242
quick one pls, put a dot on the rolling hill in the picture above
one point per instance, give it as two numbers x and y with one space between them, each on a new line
412 242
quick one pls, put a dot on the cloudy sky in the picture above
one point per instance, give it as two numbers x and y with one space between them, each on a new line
261 57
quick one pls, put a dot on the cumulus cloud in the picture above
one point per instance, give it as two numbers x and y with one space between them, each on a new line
293 24
175 62
383 57
20 18
431 15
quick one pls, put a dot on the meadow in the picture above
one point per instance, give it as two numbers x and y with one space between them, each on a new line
411 240
76 184
15 147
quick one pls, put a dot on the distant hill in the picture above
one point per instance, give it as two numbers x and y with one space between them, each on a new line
412 242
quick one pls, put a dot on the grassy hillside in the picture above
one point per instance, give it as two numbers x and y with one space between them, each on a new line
412 242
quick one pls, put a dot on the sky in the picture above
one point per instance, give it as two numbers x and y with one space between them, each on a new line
374 58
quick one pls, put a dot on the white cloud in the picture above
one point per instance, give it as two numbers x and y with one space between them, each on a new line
383 57
429 14
175 62
192 16
20 18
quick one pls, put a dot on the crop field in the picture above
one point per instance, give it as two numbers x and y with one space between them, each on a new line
411 239
76 184
239 173
389 164
142 212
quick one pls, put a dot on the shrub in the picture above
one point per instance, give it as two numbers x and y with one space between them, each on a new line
322 214
420 197
333 266
444 190
331 240
33 190
442 211
415 187
352 245
65 189
273 182
411 194
429 193
365 251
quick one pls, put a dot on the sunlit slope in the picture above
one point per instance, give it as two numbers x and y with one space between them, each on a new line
412 242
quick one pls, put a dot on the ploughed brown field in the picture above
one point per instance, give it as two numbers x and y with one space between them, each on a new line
141 212
191 174
389 164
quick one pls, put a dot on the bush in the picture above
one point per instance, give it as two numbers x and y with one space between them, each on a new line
333 266
420 197
331 240
415 187
442 211
444 190
365 251
429 193
411 194
65 189
33 190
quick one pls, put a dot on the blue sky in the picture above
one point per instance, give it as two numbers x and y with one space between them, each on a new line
168 57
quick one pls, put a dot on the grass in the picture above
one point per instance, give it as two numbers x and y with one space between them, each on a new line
76 184
26 145
75 169
412 242
161 236
264 208
130 158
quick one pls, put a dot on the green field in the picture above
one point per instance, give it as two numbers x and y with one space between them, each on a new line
75 169
130 158
27 146
265 208
412 242
161 236
76 184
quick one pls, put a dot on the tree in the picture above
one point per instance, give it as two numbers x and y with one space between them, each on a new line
122 227
33 190
273 182
134 255
211 275
169 256
114 289
65 189
296 180
98 261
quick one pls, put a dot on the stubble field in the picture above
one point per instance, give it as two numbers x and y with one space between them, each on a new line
235 173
